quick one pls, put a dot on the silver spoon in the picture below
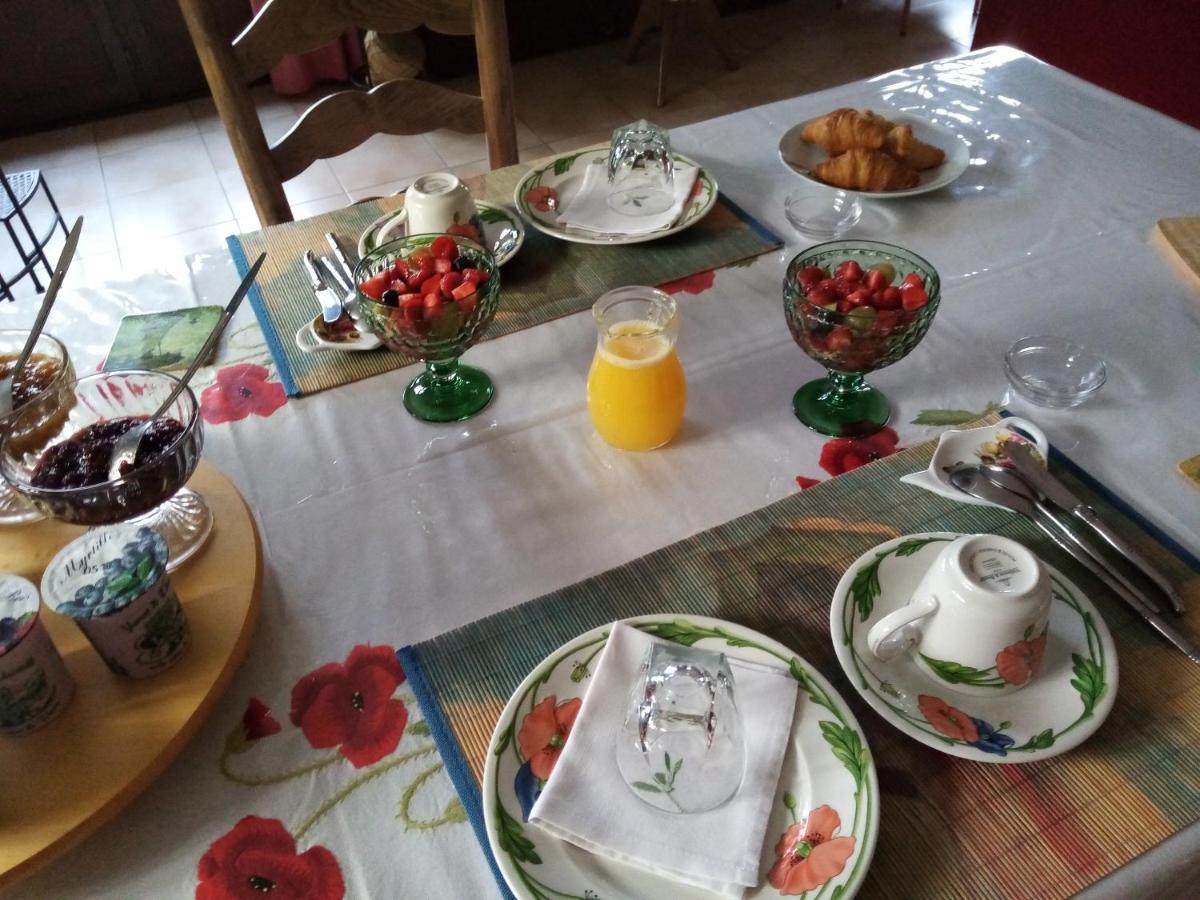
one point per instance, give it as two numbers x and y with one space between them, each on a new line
125 450
56 280
970 479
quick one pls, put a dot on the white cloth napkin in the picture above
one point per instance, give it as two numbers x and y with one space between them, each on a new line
589 210
587 803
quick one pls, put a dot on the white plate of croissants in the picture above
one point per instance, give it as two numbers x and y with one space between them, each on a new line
875 156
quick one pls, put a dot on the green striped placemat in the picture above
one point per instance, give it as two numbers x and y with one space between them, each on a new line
950 828
547 279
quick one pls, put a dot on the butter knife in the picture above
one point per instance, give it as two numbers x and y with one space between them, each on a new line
345 269
331 304
1059 494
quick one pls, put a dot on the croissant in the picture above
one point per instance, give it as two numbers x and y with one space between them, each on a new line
901 144
844 129
866 170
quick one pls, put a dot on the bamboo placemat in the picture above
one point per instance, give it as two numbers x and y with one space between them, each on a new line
949 828
547 279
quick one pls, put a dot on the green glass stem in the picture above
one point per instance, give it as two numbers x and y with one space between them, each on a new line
447 392
842 404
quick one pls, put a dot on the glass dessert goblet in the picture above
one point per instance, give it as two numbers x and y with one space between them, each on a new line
436 325
854 322
71 483
48 369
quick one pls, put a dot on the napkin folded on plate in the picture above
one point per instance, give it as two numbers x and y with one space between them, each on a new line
586 802
588 209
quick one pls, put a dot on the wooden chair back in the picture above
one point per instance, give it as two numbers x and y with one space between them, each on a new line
344 120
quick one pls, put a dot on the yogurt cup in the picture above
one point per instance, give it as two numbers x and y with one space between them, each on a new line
113 582
35 686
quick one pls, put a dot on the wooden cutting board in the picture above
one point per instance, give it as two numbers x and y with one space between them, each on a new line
1179 239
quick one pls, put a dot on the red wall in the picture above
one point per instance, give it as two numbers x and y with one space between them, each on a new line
1146 50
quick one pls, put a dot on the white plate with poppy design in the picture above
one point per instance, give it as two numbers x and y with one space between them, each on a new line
1057 710
547 189
827 797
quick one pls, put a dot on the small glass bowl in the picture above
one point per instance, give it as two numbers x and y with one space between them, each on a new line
822 213
1054 372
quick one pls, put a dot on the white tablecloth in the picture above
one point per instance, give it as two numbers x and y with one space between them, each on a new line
379 529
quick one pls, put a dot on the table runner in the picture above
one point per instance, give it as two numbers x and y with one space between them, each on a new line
949 827
547 278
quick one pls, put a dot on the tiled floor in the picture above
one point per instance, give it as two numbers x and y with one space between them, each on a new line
165 183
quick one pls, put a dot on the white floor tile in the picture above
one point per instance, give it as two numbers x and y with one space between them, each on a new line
77 185
269 105
383 190
316 207
154 166
141 129
185 206
456 148
220 151
385 157
150 253
96 238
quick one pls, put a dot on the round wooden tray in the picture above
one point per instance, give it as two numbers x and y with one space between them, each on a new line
61 783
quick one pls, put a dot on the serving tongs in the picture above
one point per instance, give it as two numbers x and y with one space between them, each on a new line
1052 491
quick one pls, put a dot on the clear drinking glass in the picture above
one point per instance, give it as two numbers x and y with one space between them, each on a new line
682 748
641 170
636 389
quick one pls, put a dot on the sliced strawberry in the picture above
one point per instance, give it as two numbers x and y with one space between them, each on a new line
913 297
889 298
449 282
914 279
839 338
441 265
400 267
466 289
432 285
421 253
466 304
850 270
374 286
444 247
472 275
433 306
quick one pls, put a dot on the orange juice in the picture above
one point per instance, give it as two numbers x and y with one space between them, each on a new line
636 388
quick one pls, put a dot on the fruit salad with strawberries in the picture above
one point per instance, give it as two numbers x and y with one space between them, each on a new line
860 310
428 295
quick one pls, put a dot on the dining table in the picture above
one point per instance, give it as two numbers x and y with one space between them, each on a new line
380 531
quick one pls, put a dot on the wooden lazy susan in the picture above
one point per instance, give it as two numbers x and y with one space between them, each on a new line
61 783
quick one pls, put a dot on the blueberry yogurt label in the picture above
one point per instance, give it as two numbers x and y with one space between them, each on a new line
34 684
113 582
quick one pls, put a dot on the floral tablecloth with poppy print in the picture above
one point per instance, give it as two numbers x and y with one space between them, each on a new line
379 531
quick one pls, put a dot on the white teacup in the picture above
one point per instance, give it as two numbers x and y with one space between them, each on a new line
434 203
977 621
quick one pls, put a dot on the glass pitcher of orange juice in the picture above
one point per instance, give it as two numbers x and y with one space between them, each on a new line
636 388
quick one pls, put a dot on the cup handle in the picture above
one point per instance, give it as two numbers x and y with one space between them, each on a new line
387 232
1027 427
898 632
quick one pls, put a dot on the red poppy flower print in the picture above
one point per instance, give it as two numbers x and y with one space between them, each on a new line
691 284
258 858
1019 662
257 721
847 454
466 230
809 854
542 198
350 706
805 483
952 722
241 390
544 733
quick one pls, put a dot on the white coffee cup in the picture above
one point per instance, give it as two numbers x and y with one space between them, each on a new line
434 203
977 620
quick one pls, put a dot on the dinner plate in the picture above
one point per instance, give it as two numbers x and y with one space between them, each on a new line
555 183
503 231
827 764
801 156
1062 707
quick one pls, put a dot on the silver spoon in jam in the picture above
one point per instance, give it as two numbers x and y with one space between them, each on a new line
56 280
125 450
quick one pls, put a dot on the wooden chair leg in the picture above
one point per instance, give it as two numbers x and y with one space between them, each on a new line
710 24
904 18
649 16
495 83
670 11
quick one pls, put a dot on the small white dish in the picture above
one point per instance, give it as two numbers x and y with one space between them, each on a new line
975 445
319 335
801 157
503 231
1058 710
822 213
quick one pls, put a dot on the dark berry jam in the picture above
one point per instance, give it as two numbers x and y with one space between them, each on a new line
82 459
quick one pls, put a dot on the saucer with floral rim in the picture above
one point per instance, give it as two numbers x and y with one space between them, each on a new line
1057 710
